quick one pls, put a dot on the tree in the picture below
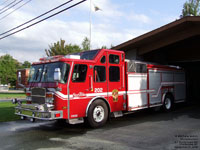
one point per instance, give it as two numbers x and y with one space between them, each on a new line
8 69
191 8
60 48
26 64
104 47
86 44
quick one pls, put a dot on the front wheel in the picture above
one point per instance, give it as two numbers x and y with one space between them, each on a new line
97 114
168 103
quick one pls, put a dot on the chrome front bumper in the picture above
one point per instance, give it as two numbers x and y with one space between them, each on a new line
30 111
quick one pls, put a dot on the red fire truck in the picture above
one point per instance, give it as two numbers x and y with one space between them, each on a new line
98 84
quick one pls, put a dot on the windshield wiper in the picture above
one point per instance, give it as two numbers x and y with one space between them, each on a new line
45 79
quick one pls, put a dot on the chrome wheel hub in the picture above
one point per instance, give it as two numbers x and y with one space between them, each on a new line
98 113
168 103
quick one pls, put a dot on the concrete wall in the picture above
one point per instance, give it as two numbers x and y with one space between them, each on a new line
4 87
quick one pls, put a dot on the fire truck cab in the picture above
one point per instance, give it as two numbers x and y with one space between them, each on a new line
97 84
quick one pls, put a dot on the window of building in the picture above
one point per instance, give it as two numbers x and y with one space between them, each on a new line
19 77
114 74
99 74
114 59
79 73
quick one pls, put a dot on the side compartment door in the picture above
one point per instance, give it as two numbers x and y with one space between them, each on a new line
116 83
137 86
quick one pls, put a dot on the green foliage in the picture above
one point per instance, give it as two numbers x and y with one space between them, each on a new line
191 8
8 69
86 44
26 64
60 48
104 47
111 46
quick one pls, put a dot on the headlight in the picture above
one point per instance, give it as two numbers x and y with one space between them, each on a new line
49 98
28 98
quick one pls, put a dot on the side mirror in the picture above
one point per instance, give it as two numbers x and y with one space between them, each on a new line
57 74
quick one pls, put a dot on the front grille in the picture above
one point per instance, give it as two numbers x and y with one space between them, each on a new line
38 100
38 95
39 91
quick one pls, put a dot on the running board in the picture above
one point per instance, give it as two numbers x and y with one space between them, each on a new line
76 121
118 114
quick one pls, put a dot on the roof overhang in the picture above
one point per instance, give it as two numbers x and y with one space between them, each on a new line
171 33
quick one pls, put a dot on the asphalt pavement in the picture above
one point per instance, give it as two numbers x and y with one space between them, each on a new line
144 130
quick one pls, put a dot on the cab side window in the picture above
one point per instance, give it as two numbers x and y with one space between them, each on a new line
113 59
99 74
79 73
114 74
103 59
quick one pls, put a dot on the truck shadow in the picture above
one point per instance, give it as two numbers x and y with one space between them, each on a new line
150 115
142 116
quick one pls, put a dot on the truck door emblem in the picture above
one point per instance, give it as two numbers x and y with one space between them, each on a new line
115 95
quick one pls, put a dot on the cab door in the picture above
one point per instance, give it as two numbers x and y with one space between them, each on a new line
100 79
78 88
116 81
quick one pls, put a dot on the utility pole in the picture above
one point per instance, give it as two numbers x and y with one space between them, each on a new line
90 30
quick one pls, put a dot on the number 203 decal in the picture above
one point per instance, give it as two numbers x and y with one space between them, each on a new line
98 90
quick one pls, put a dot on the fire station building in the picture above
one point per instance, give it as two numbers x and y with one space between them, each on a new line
177 43
22 77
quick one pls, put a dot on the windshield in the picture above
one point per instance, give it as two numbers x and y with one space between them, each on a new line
35 73
45 72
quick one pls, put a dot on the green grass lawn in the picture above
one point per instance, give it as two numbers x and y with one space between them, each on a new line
7 112
12 95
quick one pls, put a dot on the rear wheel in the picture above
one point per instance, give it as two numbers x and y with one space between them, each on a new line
97 114
168 102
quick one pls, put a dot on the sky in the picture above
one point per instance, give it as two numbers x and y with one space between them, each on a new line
118 21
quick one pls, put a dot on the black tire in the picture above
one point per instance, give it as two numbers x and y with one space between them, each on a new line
168 103
97 114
